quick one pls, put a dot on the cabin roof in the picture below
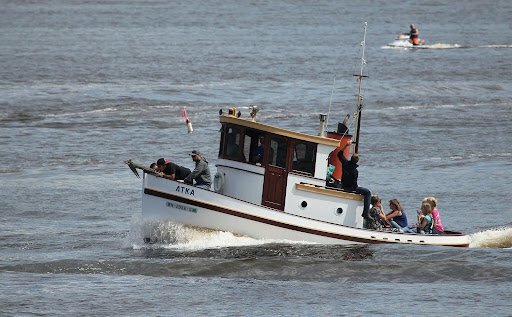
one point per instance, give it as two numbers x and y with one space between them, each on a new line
283 132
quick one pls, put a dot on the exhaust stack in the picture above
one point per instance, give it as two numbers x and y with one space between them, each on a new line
322 124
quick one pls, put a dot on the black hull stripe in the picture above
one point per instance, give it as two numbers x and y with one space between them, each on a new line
235 213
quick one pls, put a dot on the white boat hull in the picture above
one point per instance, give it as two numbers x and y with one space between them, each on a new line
165 200
283 197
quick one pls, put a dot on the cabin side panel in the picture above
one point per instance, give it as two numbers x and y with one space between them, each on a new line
330 208
322 155
243 184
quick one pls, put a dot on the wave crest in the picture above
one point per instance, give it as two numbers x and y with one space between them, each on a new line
493 238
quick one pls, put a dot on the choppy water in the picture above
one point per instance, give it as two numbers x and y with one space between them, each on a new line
87 85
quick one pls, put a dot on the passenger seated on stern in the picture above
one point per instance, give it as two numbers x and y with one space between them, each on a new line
425 219
397 217
438 226
376 217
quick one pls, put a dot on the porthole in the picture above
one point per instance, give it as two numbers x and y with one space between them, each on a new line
304 204
339 211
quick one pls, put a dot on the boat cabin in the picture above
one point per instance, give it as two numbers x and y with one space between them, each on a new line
283 170
271 184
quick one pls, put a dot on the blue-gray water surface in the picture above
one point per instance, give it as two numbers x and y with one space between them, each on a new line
87 84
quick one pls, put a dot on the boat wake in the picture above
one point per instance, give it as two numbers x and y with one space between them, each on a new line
499 238
431 46
443 46
175 236
496 46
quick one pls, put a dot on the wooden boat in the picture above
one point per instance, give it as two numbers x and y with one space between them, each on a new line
278 193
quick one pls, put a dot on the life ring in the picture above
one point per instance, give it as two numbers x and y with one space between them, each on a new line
218 181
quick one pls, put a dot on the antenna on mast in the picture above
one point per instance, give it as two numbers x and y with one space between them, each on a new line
359 100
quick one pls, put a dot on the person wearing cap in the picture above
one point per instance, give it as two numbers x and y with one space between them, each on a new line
201 174
171 170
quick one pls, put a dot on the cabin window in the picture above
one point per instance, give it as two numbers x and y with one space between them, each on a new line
304 154
254 146
233 140
247 147
221 147
257 147
278 152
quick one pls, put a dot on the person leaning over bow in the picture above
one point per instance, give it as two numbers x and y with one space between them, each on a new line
349 178
201 173
171 170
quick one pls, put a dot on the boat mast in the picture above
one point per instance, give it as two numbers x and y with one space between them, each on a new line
359 102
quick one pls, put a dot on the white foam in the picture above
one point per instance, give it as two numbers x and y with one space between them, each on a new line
497 46
176 236
493 238
438 46
442 46
170 235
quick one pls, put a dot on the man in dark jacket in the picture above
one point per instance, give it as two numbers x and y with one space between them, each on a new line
201 174
349 178
171 170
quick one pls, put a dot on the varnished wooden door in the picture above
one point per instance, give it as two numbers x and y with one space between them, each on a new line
276 173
